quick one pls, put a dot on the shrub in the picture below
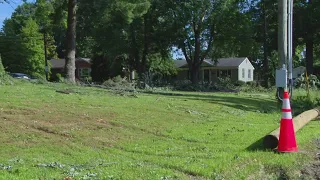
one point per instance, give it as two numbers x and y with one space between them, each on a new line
220 85
239 83
5 79
120 84
252 83
301 81
224 84
303 103
183 85
254 86
39 79
59 77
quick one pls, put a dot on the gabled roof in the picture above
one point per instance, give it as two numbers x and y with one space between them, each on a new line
57 63
60 63
230 62
180 63
88 60
222 62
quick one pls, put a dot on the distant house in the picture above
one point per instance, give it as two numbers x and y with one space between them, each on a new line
298 71
83 67
235 68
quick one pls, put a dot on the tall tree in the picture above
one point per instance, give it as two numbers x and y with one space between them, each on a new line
22 48
59 25
265 49
264 19
17 40
125 32
309 37
197 28
210 29
71 41
32 48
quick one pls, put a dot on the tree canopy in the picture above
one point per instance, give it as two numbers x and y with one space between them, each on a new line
140 35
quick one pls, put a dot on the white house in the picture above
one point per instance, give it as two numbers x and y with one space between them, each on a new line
238 69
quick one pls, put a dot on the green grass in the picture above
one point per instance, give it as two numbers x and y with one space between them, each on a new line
95 134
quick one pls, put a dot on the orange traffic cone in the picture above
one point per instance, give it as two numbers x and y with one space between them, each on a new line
287 138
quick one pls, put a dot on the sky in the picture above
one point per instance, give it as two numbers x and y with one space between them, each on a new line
7 9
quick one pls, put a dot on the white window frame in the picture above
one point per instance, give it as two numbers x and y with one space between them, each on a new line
81 72
249 73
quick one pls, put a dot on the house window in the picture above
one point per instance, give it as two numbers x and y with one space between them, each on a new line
249 73
206 75
84 72
224 73
243 73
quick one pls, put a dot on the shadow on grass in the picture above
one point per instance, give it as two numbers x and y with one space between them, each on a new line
254 104
257 146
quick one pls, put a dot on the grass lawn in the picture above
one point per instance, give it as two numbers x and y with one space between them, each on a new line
95 134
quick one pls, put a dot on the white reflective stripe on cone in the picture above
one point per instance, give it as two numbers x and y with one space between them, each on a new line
286 115
286 104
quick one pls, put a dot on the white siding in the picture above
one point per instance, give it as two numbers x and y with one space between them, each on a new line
248 68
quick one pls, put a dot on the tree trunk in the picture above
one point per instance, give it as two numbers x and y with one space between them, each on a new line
146 45
71 42
194 74
309 55
135 50
197 61
309 42
265 53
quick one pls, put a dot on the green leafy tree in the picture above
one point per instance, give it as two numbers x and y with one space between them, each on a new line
2 70
59 25
10 47
116 30
162 66
32 48
22 42
264 19
209 29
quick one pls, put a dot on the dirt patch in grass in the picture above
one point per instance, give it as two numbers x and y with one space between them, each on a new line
51 131
313 169
19 111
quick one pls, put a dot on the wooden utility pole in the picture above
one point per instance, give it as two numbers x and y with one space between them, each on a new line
282 31
282 41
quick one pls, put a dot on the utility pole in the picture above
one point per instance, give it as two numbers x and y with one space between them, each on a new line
45 54
290 36
282 31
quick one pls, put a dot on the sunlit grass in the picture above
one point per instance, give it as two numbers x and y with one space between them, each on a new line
94 133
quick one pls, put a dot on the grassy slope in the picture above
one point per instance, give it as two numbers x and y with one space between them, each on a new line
95 133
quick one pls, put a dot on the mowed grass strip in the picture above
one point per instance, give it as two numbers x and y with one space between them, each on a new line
93 133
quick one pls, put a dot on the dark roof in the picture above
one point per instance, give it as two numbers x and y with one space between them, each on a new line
222 62
230 62
88 60
60 63
57 63
180 63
